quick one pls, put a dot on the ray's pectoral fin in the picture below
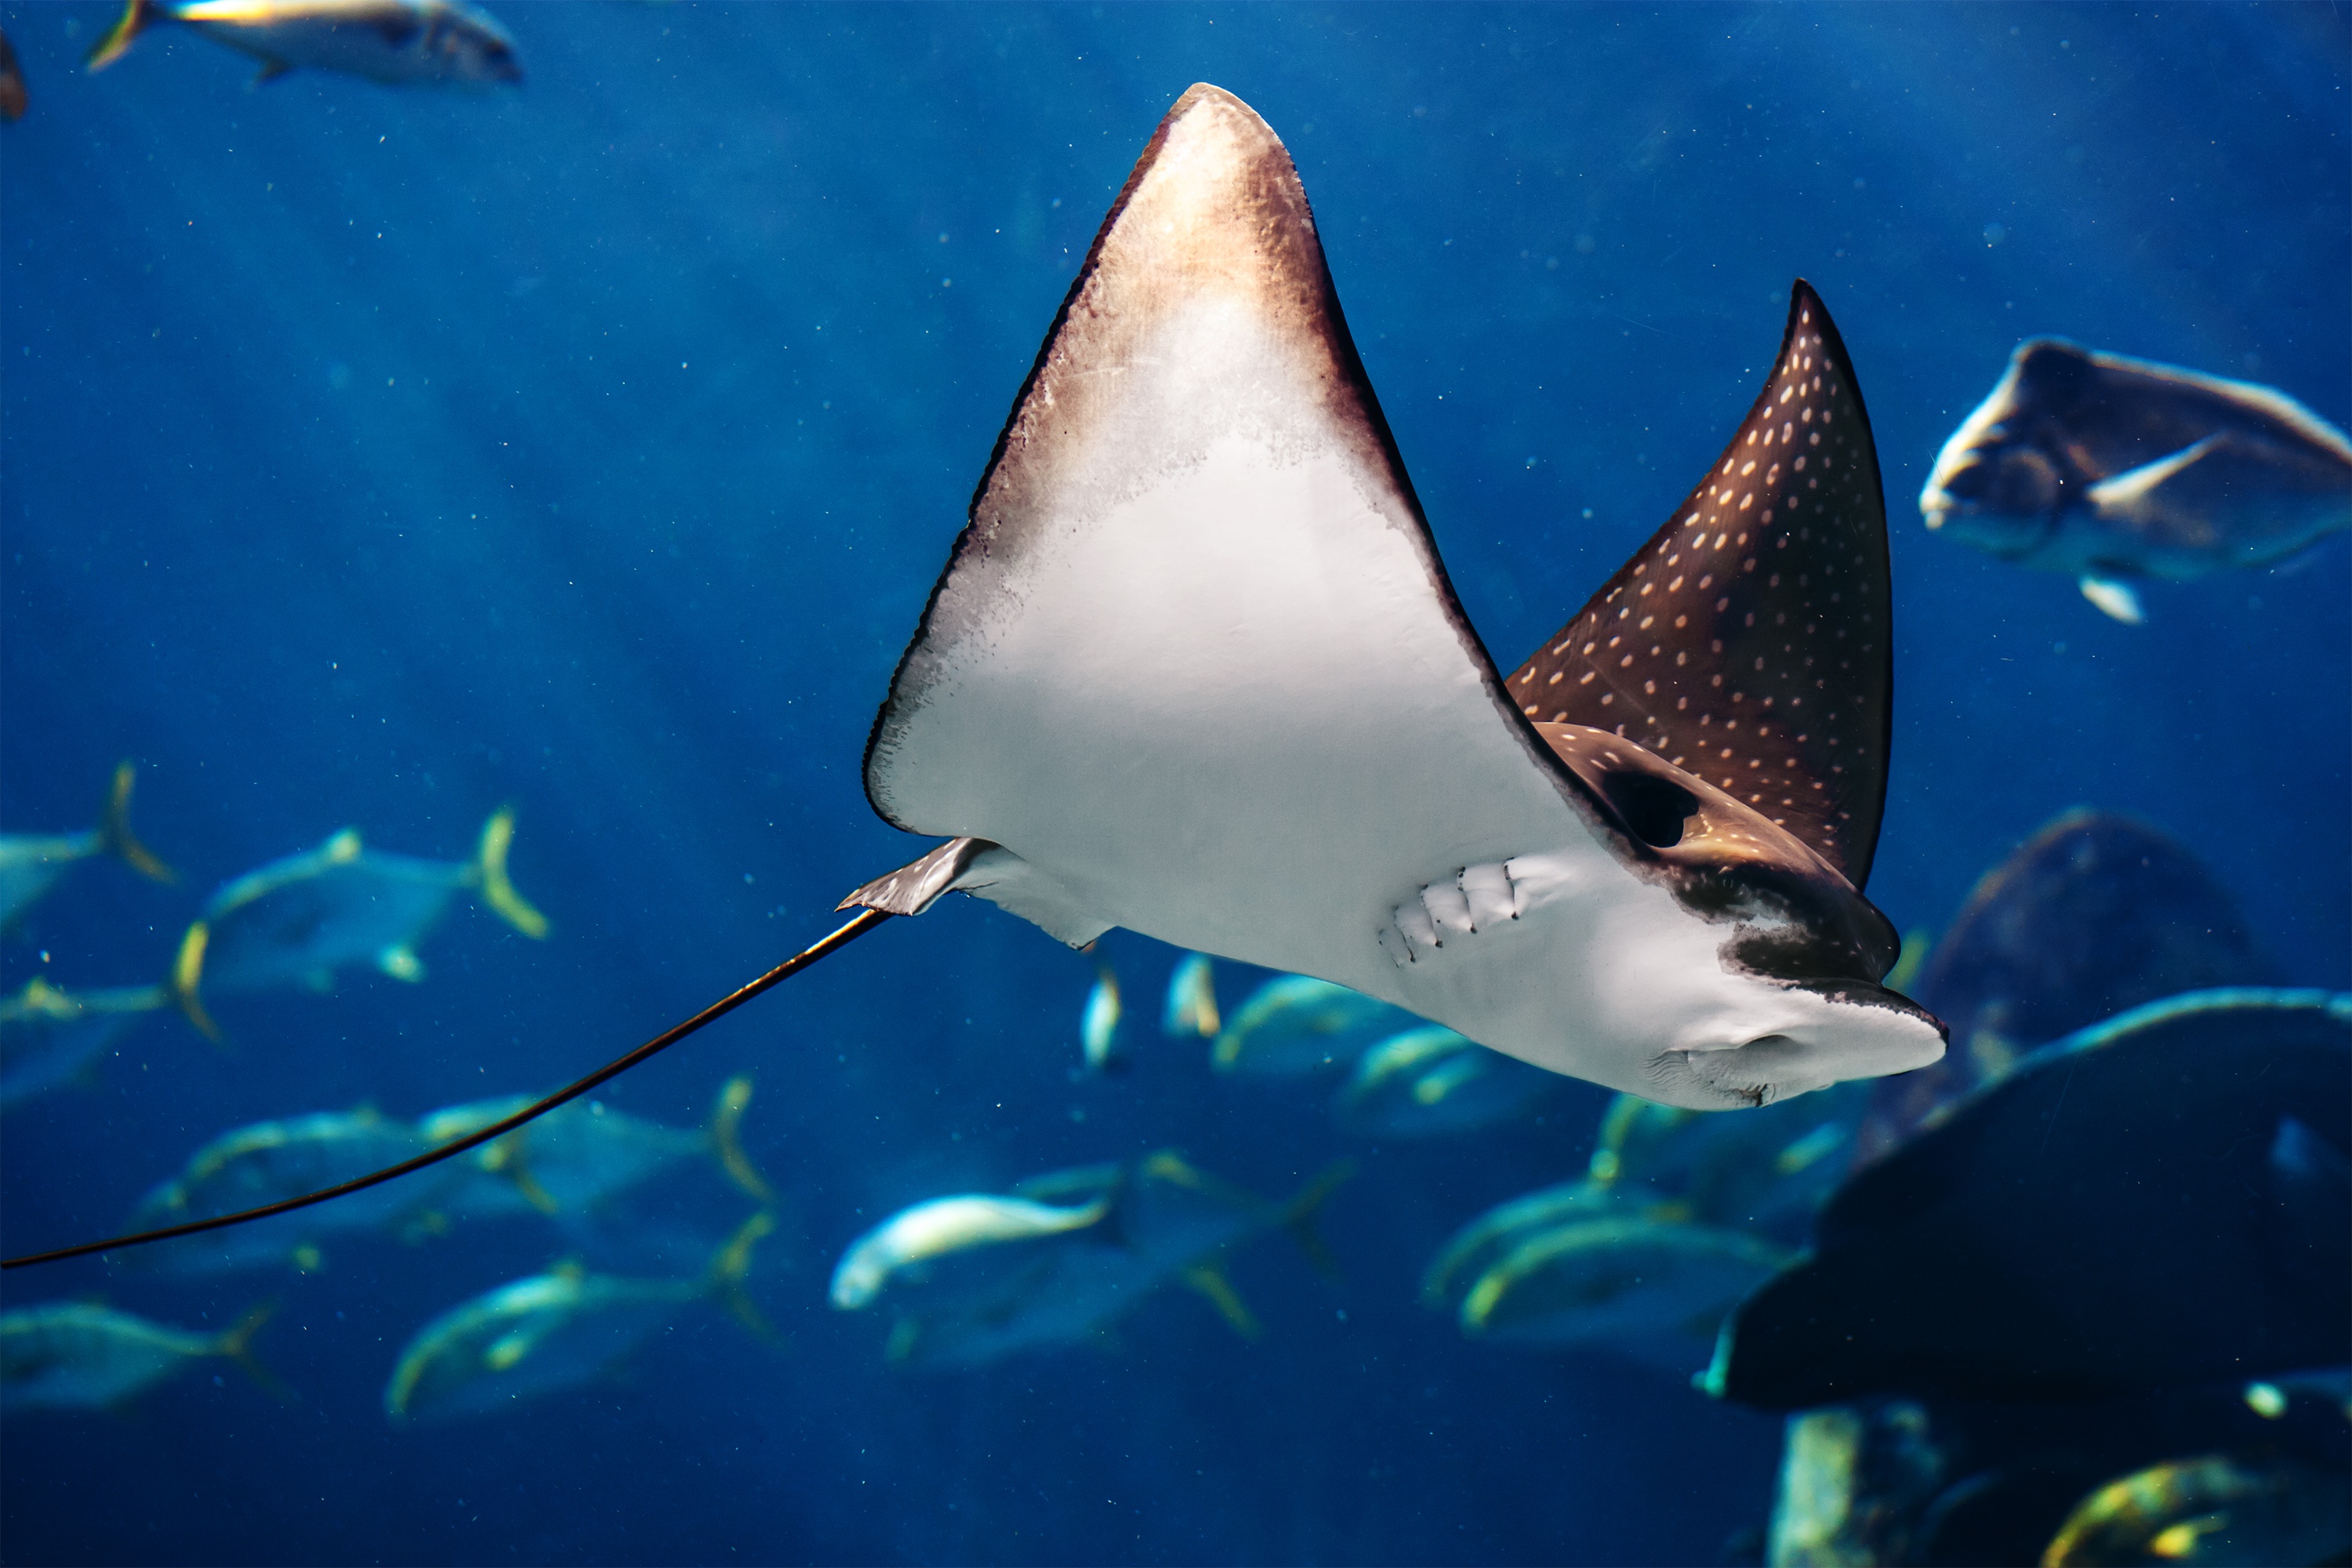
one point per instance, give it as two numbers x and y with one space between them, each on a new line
1749 642
988 871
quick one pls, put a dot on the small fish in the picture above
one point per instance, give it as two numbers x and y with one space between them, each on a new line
2093 914
297 921
50 1038
263 1164
1192 1006
577 1158
981 1275
1654 1288
397 42
1296 1024
1763 1173
12 98
977 1234
554 1331
1488 1239
2223 1507
30 864
1430 1081
71 1355
1098 1025
2111 470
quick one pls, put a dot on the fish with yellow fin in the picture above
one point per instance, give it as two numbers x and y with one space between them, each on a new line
263 1163
73 1355
31 863
978 1276
50 1037
298 920
397 42
571 1161
1295 1025
555 1331
1191 1004
1430 1081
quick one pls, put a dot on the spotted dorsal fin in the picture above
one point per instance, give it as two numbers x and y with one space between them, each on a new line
1749 642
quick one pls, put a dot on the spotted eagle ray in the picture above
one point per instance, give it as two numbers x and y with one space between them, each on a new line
1195 668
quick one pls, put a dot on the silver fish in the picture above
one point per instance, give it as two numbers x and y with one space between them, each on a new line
31 863
576 1158
979 1276
1191 1004
1764 1173
1656 1289
553 1330
50 1037
1098 1025
263 1164
298 920
398 42
1430 1081
71 1355
2112 469
1295 1025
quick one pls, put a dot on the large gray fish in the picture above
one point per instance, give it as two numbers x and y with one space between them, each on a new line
2110 468
72 1355
2093 914
50 1038
399 42
554 1331
2163 1199
296 921
31 863
1194 668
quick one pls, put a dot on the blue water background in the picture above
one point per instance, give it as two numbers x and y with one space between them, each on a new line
375 458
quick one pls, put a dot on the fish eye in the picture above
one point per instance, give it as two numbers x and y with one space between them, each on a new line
1655 809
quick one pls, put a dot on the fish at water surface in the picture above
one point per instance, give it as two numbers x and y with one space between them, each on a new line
2113 470
397 42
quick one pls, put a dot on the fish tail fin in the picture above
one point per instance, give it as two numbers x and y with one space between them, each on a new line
187 974
114 830
732 1263
137 16
1209 1279
236 1343
727 1138
497 889
510 1158
1300 1213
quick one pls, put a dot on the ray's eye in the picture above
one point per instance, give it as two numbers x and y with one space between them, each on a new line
1655 809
